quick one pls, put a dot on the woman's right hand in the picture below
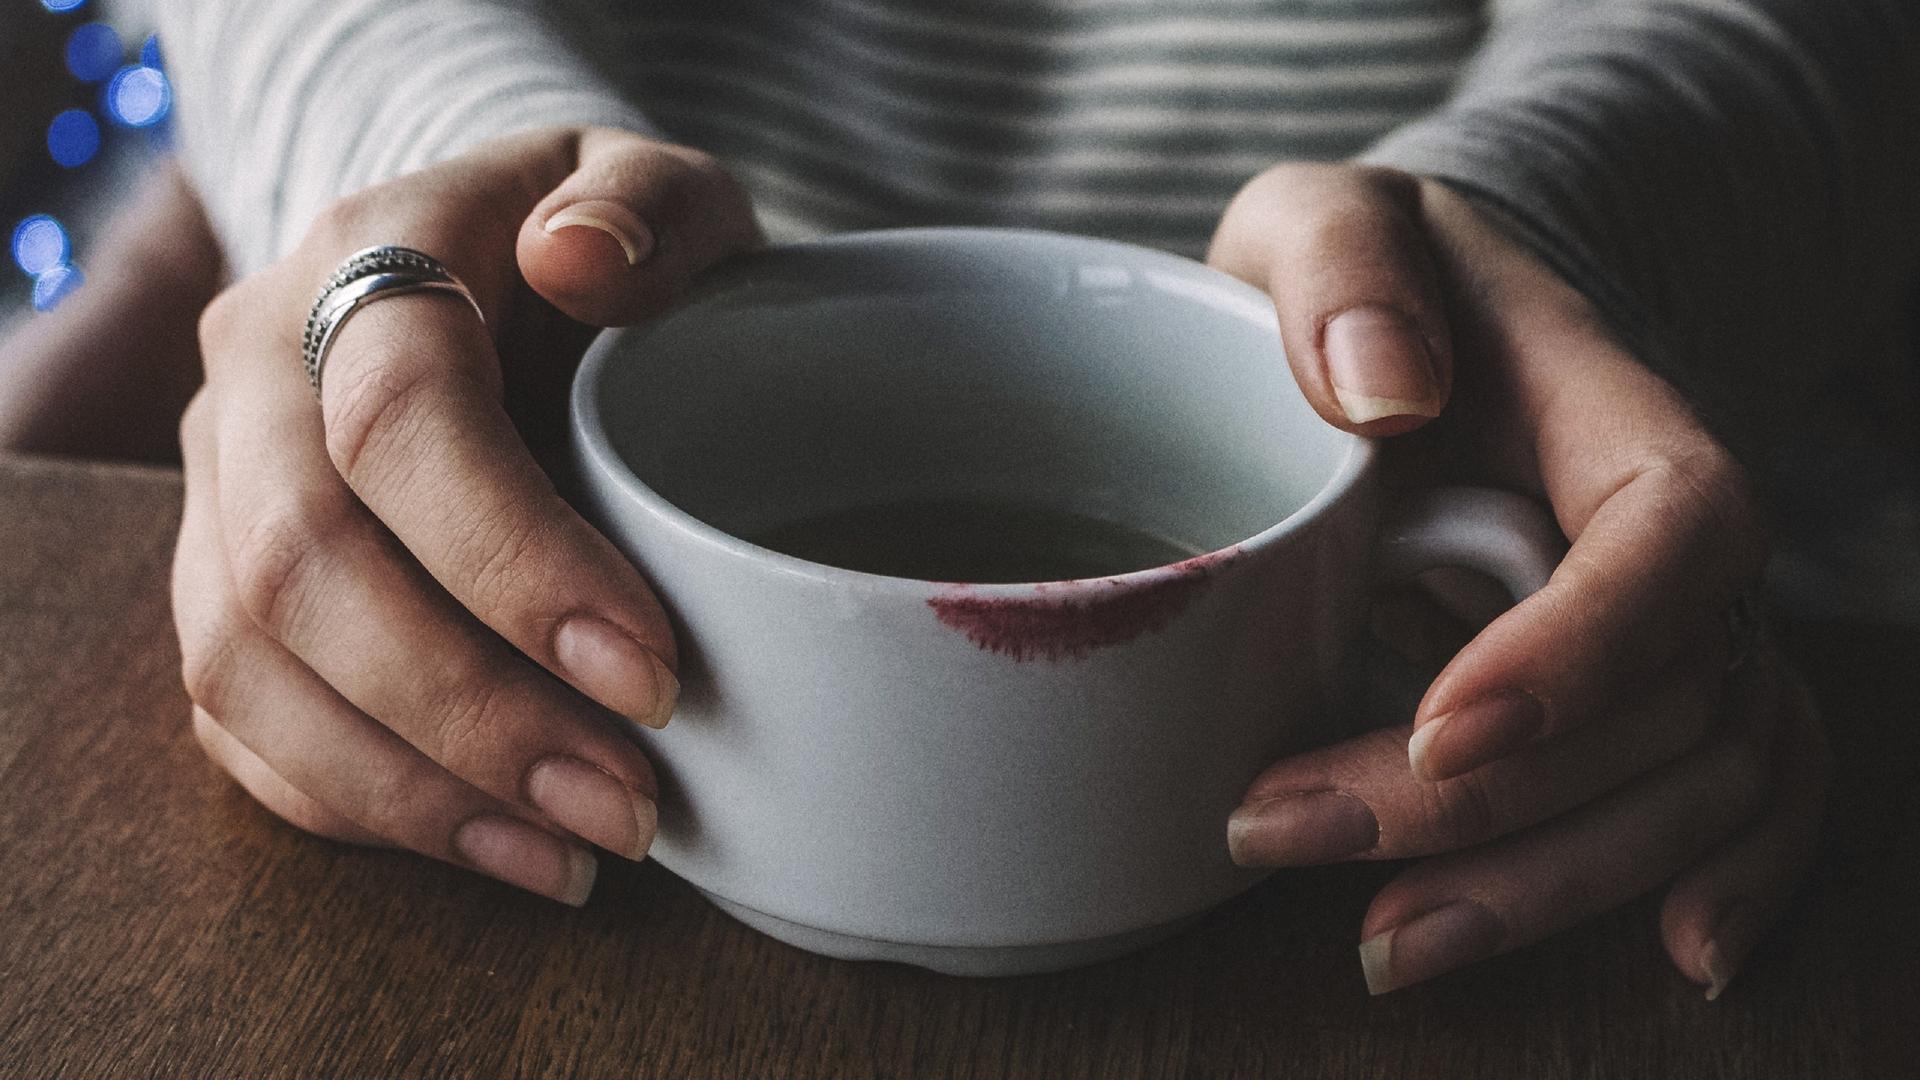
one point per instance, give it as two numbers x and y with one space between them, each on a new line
368 587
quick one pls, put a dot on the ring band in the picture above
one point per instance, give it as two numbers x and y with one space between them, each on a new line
366 276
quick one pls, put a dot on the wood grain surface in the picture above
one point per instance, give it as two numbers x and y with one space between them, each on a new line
154 922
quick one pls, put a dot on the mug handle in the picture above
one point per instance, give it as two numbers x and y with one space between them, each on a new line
1504 535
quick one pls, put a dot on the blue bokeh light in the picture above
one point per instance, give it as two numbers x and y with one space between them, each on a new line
61 5
55 285
138 96
93 51
39 244
73 137
150 51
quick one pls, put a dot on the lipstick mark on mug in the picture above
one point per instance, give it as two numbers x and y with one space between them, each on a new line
1069 619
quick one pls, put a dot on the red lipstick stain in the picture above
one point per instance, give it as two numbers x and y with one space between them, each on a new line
1095 614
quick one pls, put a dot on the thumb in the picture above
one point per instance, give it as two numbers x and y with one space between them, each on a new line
1343 252
620 237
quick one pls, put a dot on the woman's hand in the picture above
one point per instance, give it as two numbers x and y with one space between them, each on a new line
1592 743
393 629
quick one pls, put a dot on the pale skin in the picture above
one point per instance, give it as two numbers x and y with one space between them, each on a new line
394 632
1590 744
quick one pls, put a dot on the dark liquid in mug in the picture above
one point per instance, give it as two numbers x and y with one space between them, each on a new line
982 542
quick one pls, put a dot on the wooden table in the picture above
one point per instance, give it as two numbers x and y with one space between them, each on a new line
156 922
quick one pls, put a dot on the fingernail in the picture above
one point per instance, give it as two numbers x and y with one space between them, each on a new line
519 854
1474 734
1378 363
1720 956
1428 945
1301 829
616 670
635 239
594 805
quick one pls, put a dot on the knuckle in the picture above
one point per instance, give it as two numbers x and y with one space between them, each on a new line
220 322
335 229
397 802
278 555
1723 500
499 546
374 402
209 656
1459 811
472 735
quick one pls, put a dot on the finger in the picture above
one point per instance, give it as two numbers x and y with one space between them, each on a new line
415 423
619 238
196 574
1356 800
1651 572
272 790
1664 529
319 761
320 576
1716 910
368 786
1344 254
1452 910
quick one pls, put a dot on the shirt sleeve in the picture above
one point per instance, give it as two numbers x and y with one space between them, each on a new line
286 105
1729 181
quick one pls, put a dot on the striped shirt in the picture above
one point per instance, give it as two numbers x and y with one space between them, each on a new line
1729 180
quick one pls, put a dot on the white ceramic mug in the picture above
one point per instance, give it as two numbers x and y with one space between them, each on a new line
992 779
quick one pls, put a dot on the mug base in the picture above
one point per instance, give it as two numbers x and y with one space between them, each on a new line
970 961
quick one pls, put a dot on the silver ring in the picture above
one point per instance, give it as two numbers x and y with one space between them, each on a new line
366 276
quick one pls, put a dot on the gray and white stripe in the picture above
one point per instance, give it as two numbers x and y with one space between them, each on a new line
1123 118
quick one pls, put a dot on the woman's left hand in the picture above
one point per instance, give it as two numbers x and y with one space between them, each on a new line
1618 731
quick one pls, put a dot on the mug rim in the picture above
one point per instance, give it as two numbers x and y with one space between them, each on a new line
595 450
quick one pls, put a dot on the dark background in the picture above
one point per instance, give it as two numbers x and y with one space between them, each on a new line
35 86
